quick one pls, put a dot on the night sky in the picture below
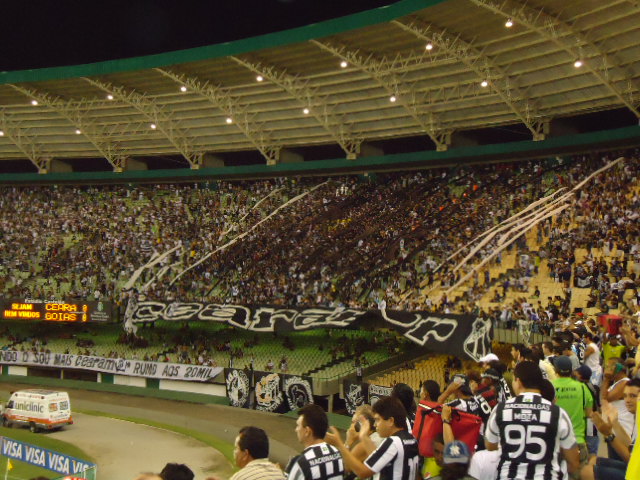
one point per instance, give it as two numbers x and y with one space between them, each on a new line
45 33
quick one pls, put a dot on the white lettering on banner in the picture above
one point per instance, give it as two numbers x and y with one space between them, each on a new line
182 311
11 449
58 463
438 328
78 466
380 390
34 455
213 312
136 368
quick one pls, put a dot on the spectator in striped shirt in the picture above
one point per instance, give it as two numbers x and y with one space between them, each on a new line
318 460
397 456
251 453
535 436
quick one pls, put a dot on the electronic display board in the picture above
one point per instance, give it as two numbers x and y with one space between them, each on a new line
55 311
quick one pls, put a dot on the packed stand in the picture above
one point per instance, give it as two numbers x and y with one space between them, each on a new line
356 241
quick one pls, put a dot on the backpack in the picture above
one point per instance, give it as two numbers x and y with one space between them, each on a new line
428 425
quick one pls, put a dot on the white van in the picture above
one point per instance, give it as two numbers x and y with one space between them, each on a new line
40 409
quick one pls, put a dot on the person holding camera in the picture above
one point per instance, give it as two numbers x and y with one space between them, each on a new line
359 449
396 458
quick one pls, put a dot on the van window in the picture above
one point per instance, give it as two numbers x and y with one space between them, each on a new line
64 405
53 407
10 404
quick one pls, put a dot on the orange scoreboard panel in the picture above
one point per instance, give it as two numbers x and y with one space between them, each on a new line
26 309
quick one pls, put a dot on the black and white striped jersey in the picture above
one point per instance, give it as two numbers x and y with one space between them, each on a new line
531 432
396 458
317 462
504 392
475 405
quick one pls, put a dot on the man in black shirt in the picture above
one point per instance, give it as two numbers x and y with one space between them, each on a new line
397 456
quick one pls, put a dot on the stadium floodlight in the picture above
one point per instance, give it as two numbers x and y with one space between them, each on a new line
229 120
34 102
392 98
259 78
1 133
109 97
344 64
429 46
78 131
183 88
305 111
484 83
153 126
577 63
508 23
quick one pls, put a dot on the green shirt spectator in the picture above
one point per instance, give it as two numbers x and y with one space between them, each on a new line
574 397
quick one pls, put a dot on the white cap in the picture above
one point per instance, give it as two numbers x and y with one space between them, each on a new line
489 357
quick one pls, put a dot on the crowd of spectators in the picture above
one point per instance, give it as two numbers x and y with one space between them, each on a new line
354 241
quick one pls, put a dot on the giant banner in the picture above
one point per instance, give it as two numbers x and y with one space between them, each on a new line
465 336
118 366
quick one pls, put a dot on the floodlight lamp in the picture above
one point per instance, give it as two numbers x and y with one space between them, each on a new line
78 131
508 23
344 64
109 97
484 83
229 120
305 111
153 126
1 133
392 98
183 88
429 46
577 63
34 102
259 78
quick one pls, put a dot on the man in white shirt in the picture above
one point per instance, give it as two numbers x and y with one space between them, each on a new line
251 452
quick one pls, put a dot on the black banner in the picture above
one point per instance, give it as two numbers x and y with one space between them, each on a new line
464 336
355 394
238 387
298 391
269 393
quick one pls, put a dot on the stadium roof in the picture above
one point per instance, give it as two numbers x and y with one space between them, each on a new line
417 68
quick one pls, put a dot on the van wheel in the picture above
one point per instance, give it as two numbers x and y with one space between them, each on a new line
33 428
6 423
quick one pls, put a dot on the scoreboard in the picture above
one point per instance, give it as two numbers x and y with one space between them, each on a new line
55 311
